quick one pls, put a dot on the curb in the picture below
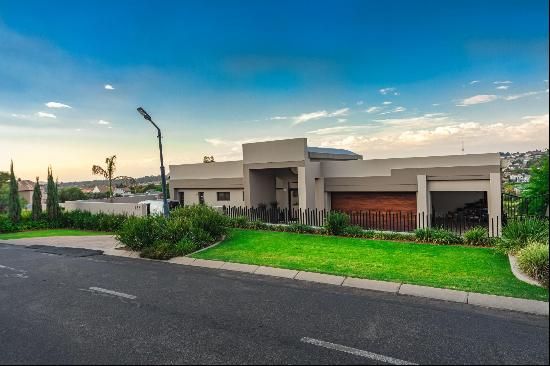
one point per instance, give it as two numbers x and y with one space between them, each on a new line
472 298
520 275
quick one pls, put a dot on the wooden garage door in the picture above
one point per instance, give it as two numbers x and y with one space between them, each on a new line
374 201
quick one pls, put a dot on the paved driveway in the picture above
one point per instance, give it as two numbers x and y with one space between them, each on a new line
106 243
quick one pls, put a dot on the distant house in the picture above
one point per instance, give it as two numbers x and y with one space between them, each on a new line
122 191
26 190
101 189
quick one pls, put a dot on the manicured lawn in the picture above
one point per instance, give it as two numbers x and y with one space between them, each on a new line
52 232
454 267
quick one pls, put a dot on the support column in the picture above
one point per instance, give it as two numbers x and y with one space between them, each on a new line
320 196
306 184
494 204
423 203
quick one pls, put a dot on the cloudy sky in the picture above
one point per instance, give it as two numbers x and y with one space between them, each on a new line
384 79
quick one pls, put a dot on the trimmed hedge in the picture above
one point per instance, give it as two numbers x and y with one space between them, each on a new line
67 220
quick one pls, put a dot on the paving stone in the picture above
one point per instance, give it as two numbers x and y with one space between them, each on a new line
239 267
508 303
276 272
434 293
319 277
372 284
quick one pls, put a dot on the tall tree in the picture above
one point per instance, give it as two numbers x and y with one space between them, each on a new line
14 205
536 191
109 172
52 200
36 201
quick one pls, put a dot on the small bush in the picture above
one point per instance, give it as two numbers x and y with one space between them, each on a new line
204 217
138 233
300 228
437 236
165 250
239 222
257 225
478 236
533 260
353 231
336 222
516 234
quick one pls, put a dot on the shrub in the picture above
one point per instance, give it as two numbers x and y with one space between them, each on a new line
336 222
533 260
204 217
238 222
257 225
437 236
516 234
353 231
166 250
392 235
299 228
199 236
138 233
6 225
477 236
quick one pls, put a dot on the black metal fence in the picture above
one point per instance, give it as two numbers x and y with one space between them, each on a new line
401 221
517 207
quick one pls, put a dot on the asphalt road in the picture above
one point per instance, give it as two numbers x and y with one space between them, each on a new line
75 306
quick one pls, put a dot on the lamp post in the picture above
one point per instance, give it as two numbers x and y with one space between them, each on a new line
162 174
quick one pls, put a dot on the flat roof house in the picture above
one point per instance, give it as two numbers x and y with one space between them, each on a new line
295 175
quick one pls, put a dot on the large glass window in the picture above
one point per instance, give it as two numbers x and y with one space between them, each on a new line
224 196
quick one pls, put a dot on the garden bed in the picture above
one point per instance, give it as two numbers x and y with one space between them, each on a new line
472 269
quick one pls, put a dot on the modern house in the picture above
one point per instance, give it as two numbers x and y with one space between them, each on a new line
291 174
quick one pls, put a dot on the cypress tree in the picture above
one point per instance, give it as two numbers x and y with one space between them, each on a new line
36 201
14 205
52 201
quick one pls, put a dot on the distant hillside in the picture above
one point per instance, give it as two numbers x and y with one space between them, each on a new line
92 183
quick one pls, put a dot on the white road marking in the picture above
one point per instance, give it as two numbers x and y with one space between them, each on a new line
356 352
111 292
22 273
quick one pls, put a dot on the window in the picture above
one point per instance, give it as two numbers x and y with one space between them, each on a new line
201 198
181 198
223 196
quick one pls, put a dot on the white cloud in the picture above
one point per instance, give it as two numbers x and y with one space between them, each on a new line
278 118
372 109
387 103
45 115
57 105
502 82
339 129
304 117
20 116
399 109
109 87
385 91
360 102
342 120
522 95
435 104
474 82
339 112
503 87
477 99
435 134
103 122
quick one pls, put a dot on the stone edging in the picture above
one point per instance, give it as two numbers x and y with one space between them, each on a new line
520 275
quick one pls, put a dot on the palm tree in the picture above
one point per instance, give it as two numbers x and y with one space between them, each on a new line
108 173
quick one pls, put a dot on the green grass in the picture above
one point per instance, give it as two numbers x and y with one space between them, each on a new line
50 232
455 267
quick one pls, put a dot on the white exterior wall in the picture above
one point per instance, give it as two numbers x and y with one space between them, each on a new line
131 209
191 197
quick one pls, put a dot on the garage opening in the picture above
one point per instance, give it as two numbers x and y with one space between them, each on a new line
459 211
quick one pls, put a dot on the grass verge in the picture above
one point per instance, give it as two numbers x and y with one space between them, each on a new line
471 269
50 232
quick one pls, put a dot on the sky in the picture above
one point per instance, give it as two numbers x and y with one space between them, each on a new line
381 78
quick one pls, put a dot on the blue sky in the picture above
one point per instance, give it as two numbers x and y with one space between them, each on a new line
385 79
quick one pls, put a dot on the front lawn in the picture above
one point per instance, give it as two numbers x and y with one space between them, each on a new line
50 232
455 267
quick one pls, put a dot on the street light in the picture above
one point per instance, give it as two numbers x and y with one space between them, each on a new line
162 174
